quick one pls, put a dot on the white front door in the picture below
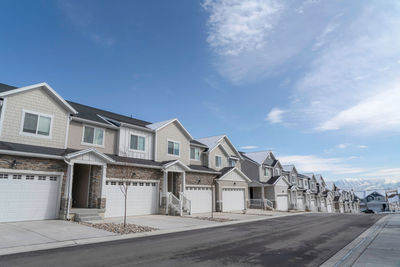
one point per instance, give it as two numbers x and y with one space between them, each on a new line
142 198
282 202
200 198
26 197
233 199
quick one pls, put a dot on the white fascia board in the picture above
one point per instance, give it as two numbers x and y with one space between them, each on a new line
186 168
45 85
179 123
89 150
105 125
128 125
29 154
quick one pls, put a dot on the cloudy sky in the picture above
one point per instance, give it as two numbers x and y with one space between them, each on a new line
317 82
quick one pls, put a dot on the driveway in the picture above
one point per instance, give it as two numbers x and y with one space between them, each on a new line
17 234
299 240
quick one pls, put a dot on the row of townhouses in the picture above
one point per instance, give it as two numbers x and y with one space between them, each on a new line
61 159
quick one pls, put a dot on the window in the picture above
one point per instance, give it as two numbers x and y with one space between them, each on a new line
173 148
195 153
218 161
36 124
266 172
93 136
138 142
277 172
232 163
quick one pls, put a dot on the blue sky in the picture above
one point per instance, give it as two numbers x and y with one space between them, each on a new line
315 81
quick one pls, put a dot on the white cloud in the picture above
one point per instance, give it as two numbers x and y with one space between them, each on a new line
390 173
275 115
342 146
248 147
239 25
363 146
311 163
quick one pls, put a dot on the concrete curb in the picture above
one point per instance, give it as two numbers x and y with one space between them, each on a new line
350 253
86 241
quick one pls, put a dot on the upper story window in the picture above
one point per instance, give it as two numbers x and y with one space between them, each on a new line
218 161
195 153
277 171
173 148
293 179
138 142
232 163
305 183
266 172
93 136
36 124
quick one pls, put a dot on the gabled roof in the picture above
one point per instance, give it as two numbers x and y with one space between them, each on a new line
194 142
87 151
225 171
177 162
8 90
273 180
161 124
202 168
214 141
99 115
261 156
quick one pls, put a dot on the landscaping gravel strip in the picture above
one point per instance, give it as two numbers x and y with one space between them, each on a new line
214 219
119 228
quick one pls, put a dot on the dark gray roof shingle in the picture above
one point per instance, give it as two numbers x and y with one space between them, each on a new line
273 179
91 113
34 149
6 87
225 171
201 168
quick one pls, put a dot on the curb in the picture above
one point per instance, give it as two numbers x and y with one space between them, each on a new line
87 241
350 253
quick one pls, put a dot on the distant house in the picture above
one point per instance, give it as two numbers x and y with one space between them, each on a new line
374 201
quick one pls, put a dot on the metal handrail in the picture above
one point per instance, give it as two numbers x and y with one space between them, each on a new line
175 203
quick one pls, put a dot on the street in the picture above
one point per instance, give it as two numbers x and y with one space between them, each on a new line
301 240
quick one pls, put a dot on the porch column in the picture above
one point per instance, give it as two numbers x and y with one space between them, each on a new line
68 191
262 197
183 182
165 183
103 182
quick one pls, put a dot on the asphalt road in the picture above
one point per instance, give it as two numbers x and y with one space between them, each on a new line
301 240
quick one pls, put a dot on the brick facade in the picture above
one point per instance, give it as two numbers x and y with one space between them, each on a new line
96 174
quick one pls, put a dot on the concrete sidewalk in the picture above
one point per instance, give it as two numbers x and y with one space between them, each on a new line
377 246
384 250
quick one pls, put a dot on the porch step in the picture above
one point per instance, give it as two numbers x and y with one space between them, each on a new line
85 215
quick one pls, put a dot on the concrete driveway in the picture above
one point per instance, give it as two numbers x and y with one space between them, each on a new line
17 234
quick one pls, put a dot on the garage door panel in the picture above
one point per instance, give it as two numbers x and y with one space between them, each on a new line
25 197
142 199
200 198
282 203
233 199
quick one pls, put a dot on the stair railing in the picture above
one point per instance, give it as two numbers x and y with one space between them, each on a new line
186 203
174 203
268 203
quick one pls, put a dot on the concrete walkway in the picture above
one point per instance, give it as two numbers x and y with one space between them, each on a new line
384 250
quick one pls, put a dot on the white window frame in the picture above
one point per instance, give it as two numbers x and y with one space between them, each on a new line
137 150
180 147
232 160
269 172
89 144
190 156
3 109
21 131
219 156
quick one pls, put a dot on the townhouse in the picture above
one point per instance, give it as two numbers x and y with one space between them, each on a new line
62 159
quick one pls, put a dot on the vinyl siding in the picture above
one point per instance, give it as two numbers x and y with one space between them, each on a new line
172 132
36 100
75 138
125 139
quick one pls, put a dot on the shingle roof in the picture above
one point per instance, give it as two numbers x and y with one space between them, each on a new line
273 179
197 143
211 141
225 171
156 125
91 113
201 168
6 87
288 168
135 160
258 157
34 149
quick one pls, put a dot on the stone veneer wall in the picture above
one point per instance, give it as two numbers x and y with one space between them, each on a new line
95 200
193 178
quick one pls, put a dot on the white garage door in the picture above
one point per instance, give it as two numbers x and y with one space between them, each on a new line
142 199
232 199
300 203
200 198
282 203
28 197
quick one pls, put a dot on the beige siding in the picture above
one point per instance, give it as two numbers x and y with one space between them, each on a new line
75 138
172 132
218 152
36 100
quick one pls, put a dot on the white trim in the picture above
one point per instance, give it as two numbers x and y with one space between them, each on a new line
178 142
198 185
128 125
132 180
219 156
67 131
166 166
39 114
2 115
138 135
171 121
240 173
136 165
89 150
89 144
229 143
35 86
200 171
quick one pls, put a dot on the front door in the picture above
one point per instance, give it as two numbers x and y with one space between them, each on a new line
80 186
173 183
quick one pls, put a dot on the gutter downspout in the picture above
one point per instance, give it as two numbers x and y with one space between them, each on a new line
69 181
